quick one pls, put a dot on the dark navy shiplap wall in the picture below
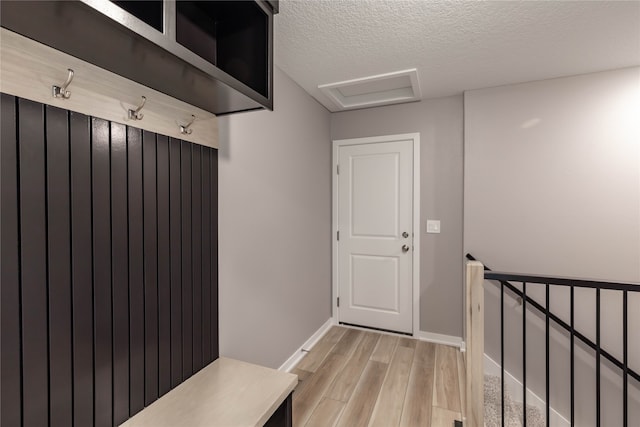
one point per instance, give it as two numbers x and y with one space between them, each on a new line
109 266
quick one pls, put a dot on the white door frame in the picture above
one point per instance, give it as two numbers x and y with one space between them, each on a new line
337 143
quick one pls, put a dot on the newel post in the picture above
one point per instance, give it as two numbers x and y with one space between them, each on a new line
475 344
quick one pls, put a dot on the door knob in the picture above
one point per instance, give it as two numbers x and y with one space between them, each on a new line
405 248
405 234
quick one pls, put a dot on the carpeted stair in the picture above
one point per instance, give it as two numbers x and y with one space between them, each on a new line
513 410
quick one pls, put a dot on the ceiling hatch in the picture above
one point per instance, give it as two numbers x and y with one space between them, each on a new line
383 89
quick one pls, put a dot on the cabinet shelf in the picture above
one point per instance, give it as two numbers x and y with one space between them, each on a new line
149 11
230 35
216 55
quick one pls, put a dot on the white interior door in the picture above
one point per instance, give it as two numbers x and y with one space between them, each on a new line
375 243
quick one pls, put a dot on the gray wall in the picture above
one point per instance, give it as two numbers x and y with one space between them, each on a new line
275 226
440 123
552 176
552 186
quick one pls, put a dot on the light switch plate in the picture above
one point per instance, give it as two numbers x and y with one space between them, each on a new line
433 226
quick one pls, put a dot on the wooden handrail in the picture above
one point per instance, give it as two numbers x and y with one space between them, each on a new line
475 344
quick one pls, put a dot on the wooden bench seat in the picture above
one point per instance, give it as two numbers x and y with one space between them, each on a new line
226 393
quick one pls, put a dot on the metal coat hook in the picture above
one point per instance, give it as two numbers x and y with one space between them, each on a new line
135 114
61 91
184 129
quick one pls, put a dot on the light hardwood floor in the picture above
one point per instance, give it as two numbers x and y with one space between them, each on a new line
357 378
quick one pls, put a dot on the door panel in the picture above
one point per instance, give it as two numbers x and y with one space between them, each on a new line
374 182
375 208
375 282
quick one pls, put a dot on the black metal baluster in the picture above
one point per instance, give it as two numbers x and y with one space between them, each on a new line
625 397
598 357
547 351
502 349
572 365
504 279
524 354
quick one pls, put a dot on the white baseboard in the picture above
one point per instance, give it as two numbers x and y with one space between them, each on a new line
439 339
377 331
420 335
308 344
514 386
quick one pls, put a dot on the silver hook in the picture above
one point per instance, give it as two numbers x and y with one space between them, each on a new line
184 129
61 91
135 114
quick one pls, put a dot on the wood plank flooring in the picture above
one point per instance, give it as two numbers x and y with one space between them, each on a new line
357 378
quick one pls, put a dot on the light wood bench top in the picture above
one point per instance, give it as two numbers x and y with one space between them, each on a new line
226 393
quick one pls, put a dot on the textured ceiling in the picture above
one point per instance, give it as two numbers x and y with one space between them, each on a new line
455 46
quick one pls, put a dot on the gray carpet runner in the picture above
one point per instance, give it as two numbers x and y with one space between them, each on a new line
513 410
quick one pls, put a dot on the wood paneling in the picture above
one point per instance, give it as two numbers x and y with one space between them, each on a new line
109 255
136 272
33 254
196 253
187 284
175 237
81 269
100 157
206 256
150 267
119 273
164 271
59 248
213 154
10 271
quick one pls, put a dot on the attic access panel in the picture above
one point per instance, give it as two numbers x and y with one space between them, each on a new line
382 89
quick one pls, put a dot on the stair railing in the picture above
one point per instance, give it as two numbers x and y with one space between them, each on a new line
474 340
475 336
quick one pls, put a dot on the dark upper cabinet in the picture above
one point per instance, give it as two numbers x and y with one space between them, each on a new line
216 55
